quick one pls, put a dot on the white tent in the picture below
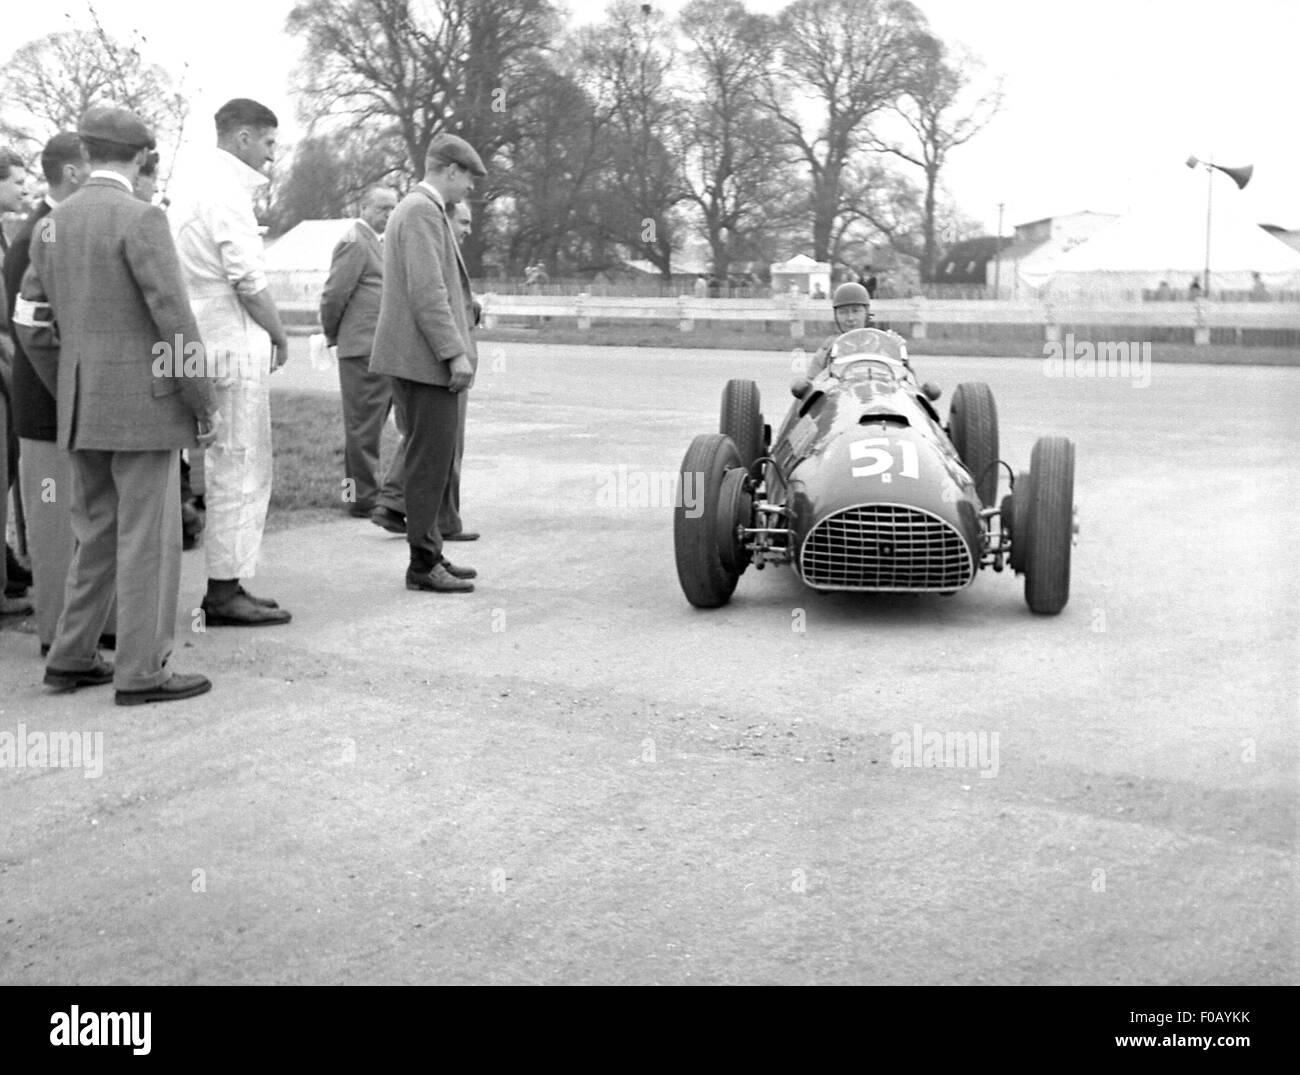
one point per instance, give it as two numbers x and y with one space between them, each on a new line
803 274
298 263
1164 241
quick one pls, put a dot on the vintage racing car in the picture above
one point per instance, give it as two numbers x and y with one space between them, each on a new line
865 489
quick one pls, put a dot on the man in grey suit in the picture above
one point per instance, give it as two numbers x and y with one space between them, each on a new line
349 311
130 390
390 512
423 341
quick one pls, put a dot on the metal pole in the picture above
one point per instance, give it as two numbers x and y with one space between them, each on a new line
997 257
1209 202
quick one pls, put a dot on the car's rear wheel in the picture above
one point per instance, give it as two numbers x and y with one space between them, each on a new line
1051 526
742 420
705 520
973 427
1015 519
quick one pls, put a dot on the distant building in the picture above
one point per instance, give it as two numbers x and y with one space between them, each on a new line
1044 239
968 262
983 261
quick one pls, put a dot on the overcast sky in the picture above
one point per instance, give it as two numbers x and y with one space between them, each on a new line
1103 100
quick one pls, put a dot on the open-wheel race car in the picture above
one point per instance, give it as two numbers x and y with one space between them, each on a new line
865 489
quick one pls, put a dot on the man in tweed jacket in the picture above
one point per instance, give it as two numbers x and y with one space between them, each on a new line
130 391
424 343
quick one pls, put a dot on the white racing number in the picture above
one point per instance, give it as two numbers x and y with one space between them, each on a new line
879 453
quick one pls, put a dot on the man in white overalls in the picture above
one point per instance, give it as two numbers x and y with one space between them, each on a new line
220 248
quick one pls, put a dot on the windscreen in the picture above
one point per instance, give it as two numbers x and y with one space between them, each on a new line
869 354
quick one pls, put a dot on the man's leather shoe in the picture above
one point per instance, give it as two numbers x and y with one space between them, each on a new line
459 572
172 689
392 521
241 611
462 535
439 580
265 602
361 509
61 679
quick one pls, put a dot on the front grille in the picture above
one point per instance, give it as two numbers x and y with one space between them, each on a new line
886 548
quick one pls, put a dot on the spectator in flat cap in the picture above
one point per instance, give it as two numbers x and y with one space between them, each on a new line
390 512
115 126
220 247
425 343
107 267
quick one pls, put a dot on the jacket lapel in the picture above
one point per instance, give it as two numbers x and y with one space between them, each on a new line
376 247
446 223
464 273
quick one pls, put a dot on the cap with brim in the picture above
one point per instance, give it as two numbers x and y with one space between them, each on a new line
118 126
451 149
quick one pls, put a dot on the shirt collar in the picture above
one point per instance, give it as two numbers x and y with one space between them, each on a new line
106 173
434 191
51 202
248 178
369 229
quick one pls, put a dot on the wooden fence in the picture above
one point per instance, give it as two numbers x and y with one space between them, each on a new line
913 317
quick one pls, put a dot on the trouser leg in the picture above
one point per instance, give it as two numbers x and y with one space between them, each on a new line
148 565
92 572
238 475
392 496
367 398
449 520
430 415
45 470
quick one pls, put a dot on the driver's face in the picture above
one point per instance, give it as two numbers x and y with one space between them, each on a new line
850 317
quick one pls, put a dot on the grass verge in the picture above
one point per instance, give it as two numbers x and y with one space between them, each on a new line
307 431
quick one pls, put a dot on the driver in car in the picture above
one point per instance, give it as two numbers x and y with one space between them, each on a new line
852 307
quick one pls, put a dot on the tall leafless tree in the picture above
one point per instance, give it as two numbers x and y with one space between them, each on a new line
623 64
49 83
851 59
939 114
736 170
421 68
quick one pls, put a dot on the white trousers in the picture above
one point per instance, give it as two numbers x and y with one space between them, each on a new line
237 478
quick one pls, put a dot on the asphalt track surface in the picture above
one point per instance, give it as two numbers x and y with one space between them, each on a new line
573 776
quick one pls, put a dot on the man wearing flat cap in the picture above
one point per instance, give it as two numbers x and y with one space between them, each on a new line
105 278
424 343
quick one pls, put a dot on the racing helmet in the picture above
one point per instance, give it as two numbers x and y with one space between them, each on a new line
850 294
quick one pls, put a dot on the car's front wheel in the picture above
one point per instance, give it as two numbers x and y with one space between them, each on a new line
710 504
1049 522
